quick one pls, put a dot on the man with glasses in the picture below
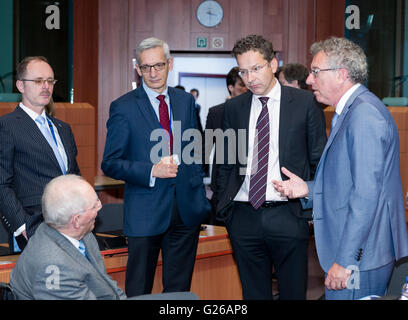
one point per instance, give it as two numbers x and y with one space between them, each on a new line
62 260
356 195
34 148
284 126
164 199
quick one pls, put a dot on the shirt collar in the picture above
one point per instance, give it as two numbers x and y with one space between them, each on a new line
33 115
274 94
74 241
153 94
343 100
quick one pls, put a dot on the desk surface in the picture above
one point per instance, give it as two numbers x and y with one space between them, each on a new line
211 233
104 182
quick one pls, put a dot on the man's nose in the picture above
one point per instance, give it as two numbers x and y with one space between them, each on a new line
310 79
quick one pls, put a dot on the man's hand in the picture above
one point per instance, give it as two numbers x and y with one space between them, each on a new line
166 168
293 188
337 277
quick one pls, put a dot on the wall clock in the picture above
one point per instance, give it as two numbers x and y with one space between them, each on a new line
209 13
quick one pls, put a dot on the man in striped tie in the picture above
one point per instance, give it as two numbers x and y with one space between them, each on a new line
284 126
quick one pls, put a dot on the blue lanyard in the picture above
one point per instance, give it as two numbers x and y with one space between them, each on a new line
52 130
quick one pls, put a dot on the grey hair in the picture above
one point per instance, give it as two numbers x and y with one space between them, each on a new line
151 43
343 53
62 198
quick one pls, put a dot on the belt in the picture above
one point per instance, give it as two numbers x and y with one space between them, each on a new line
271 204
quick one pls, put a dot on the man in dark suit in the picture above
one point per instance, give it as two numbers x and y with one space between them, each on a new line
284 126
34 148
165 200
215 117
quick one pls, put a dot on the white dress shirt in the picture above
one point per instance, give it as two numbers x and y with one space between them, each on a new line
274 172
342 102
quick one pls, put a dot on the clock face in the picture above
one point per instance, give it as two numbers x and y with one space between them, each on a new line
210 13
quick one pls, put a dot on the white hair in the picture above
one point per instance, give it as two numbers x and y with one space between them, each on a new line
151 43
63 197
343 53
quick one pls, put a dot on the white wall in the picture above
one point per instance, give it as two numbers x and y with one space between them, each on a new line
213 91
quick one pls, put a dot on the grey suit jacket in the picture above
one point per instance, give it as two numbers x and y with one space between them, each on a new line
51 268
27 164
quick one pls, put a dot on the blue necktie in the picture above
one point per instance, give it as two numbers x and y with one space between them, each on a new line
333 121
82 249
51 141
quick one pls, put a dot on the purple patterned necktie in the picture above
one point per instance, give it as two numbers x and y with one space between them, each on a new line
165 119
259 170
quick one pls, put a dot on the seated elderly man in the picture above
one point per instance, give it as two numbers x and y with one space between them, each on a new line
62 260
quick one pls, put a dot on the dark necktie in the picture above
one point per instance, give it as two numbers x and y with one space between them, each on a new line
165 120
259 170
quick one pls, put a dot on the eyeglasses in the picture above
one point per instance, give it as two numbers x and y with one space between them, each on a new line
315 71
96 206
256 69
40 82
145 68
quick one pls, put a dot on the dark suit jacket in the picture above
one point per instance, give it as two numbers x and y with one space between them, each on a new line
127 157
51 268
27 164
214 121
302 137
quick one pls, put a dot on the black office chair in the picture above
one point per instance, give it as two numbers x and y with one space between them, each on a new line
110 221
110 218
6 292
398 278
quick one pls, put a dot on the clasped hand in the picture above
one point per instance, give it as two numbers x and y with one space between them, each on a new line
166 168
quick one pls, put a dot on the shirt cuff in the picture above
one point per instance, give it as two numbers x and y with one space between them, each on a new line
152 179
20 230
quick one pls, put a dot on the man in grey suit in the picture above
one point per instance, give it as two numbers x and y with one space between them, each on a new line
356 195
52 265
34 148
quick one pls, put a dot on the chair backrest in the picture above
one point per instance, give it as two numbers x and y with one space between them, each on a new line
398 276
6 292
110 218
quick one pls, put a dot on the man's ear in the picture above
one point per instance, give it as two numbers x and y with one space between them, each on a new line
20 86
343 74
138 70
274 64
170 63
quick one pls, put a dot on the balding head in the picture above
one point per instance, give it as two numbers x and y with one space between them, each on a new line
64 197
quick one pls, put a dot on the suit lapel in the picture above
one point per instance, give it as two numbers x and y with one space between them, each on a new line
244 115
32 131
285 113
65 137
340 123
146 108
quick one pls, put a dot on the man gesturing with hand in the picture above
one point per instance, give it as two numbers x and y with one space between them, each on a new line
356 195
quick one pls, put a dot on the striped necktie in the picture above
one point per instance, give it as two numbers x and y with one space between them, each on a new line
259 170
